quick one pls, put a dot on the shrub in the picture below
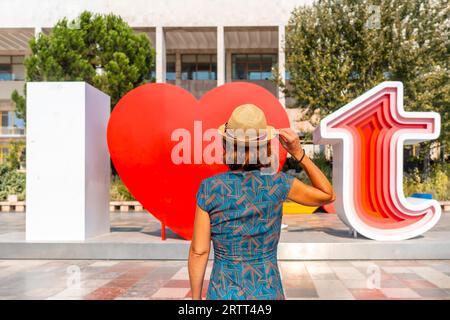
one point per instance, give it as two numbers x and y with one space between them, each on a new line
319 159
12 181
438 183
119 192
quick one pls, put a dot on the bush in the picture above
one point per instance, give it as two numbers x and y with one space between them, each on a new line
438 183
319 160
119 192
12 181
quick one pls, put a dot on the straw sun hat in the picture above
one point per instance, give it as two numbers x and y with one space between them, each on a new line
247 123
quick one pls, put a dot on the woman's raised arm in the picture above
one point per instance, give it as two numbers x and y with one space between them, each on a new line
321 192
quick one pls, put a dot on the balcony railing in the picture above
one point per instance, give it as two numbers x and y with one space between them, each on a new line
11 77
12 132
197 87
269 85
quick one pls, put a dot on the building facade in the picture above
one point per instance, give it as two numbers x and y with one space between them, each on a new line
200 44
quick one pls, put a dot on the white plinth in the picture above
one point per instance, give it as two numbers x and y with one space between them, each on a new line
68 166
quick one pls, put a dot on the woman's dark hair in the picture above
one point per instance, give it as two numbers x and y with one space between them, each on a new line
244 156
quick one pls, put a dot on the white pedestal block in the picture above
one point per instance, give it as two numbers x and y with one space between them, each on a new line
68 166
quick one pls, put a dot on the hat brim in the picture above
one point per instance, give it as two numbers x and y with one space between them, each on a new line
271 133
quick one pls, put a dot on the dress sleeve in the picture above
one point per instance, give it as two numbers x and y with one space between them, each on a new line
286 184
202 196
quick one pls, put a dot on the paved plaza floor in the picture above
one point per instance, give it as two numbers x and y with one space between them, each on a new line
64 279
168 279
13 224
137 236
145 223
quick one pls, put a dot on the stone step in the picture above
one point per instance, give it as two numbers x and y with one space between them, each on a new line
9 206
125 206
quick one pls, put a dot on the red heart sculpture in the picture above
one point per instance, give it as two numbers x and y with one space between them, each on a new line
140 145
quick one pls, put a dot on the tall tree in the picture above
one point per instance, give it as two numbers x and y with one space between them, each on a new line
99 49
338 49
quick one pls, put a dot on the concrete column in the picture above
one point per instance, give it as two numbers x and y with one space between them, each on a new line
220 56
160 55
37 31
178 68
281 62
229 66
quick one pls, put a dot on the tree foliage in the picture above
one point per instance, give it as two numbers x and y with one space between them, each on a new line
338 49
99 49
16 155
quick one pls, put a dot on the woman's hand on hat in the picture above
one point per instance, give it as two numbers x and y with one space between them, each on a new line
291 142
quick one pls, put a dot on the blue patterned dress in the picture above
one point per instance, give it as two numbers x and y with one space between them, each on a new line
245 209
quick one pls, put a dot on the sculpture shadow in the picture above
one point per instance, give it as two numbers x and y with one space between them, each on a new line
169 234
126 229
340 233
154 233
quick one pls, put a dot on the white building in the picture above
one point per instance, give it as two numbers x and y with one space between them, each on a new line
199 44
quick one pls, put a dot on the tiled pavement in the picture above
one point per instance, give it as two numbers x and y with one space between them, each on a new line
62 279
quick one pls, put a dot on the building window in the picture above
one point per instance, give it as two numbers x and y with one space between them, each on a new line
198 67
5 119
253 66
12 68
5 72
11 124
171 67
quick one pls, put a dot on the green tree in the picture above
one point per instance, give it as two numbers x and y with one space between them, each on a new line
15 157
338 49
99 49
